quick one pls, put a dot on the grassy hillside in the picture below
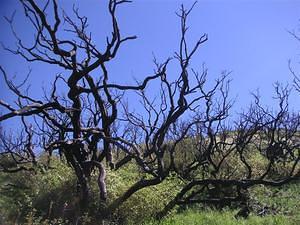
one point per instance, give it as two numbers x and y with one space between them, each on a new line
38 198
226 217
270 206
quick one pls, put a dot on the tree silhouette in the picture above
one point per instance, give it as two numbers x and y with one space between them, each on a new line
93 123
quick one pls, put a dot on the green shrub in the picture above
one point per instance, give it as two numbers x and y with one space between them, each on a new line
37 198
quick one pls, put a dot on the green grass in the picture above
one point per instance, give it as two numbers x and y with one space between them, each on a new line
283 200
30 202
211 217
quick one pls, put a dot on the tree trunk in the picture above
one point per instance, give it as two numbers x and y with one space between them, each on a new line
101 183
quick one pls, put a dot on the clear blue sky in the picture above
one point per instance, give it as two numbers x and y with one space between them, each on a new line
247 37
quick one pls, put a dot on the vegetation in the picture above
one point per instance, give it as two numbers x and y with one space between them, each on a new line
226 217
25 200
104 162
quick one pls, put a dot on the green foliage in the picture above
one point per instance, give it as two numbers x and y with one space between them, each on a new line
38 197
146 203
282 200
143 204
29 196
46 192
226 217
15 200
52 189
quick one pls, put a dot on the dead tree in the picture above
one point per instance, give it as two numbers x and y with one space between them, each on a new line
80 125
93 119
224 167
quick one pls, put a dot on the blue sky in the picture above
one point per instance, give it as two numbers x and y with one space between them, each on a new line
247 37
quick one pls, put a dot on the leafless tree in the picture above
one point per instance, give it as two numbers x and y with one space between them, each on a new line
93 122
80 125
224 166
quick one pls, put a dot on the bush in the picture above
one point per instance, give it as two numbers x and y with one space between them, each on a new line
38 197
